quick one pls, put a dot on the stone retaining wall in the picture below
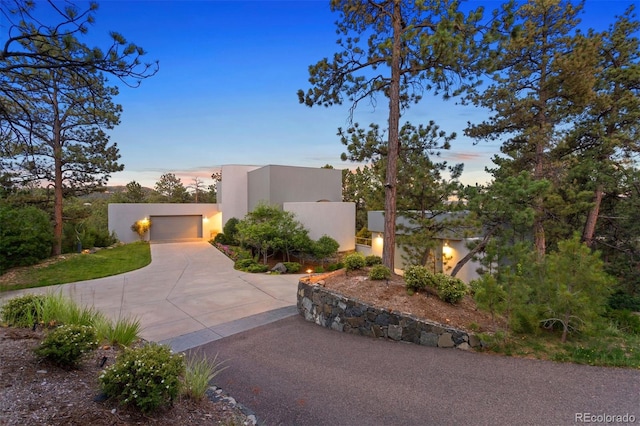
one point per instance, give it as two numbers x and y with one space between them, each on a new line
332 310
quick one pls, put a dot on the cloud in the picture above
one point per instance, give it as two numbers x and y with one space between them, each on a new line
464 156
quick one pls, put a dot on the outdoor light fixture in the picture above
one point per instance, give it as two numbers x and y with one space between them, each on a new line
309 271
446 249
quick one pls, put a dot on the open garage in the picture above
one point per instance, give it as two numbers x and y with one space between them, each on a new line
175 227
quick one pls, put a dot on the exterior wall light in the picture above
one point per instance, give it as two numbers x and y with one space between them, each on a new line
446 249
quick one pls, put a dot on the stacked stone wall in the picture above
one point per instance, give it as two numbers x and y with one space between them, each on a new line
333 310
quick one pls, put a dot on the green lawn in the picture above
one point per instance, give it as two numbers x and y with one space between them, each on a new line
79 267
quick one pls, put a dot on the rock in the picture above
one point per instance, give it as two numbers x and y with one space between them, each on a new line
377 330
306 303
382 319
464 346
355 321
474 341
428 339
279 267
394 332
445 341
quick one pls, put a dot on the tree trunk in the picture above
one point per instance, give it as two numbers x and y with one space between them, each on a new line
473 252
592 218
388 249
565 328
57 190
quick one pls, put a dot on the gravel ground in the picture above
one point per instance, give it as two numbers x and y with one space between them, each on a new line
35 392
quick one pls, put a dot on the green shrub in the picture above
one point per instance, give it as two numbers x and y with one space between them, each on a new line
229 232
624 320
257 268
624 301
325 248
22 311
292 267
66 344
318 269
243 264
354 261
489 294
450 289
372 260
416 278
26 236
222 239
146 378
379 272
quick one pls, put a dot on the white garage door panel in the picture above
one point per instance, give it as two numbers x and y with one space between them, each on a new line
175 227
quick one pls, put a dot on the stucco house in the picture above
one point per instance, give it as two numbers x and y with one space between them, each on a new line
450 248
314 195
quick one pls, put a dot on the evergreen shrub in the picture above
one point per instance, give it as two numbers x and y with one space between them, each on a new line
373 260
416 278
292 267
354 261
379 272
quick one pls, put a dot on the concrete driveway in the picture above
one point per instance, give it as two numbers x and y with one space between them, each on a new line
189 295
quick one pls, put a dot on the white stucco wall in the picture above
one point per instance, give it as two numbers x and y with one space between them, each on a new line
121 216
233 191
275 184
336 220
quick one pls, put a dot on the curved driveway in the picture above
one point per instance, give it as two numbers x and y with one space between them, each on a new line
292 372
189 295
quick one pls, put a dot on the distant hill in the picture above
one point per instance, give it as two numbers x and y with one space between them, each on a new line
109 191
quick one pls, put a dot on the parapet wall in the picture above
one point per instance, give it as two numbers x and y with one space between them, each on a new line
332 310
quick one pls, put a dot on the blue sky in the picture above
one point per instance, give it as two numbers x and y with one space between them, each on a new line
226 89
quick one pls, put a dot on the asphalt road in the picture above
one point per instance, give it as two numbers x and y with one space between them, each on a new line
293 372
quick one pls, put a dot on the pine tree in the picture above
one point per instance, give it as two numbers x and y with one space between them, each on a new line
543 76
410 48
58 122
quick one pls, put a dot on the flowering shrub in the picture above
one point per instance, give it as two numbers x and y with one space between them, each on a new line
145 378
227 250
66 345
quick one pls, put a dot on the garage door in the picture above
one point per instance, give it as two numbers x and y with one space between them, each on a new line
175 227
